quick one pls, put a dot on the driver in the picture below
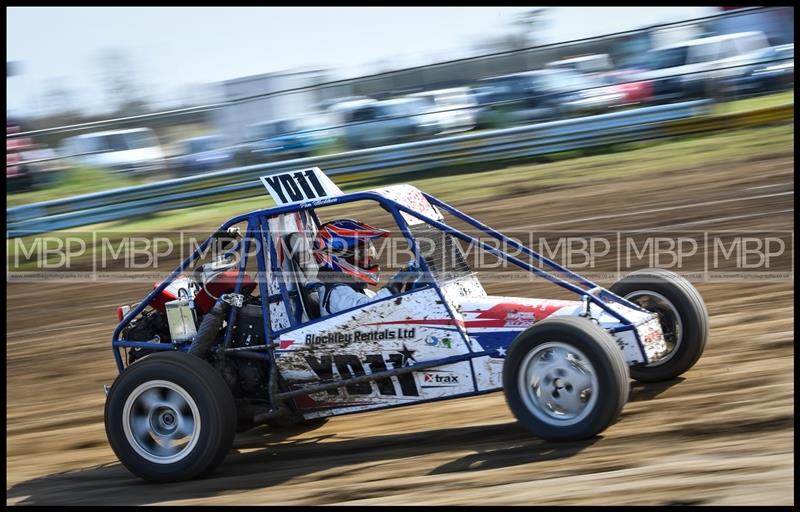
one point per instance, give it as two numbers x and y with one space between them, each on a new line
345 254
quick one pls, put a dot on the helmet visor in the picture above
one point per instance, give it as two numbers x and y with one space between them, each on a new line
362 255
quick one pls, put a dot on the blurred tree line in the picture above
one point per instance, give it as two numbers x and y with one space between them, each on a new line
124 95
526 30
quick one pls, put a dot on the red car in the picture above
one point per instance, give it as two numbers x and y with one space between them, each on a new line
18 176
24 166
635 91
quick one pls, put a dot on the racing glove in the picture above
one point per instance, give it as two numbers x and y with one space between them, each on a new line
404 280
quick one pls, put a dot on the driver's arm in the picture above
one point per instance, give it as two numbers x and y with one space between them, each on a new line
343 297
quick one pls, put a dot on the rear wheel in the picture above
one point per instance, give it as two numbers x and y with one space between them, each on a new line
170 417
565 379
681 312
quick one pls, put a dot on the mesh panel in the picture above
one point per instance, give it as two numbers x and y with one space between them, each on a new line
442 252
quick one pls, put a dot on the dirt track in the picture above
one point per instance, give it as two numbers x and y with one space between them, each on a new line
721 434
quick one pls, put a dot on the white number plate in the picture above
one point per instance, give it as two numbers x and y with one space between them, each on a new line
300 186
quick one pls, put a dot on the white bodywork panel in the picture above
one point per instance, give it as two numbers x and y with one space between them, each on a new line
417 327
410 197
383 335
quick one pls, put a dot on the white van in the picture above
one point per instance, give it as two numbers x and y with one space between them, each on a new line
453 108
685 69
136 150
392 121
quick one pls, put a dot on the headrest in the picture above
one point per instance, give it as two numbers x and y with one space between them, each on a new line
300 251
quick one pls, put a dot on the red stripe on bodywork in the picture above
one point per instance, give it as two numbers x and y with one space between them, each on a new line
488 322
496 316
435 321
540 311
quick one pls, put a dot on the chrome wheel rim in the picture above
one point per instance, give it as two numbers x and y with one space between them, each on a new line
558 384
161 421
668 317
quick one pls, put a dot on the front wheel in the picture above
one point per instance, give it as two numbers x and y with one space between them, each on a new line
681 312
565 379
170 417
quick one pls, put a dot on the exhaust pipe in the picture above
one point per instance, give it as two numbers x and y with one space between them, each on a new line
209 327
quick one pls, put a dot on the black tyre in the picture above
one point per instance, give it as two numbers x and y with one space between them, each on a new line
682 314
170 417
565 379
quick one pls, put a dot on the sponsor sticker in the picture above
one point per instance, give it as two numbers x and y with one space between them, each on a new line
360 336
520 319
439 379
435 341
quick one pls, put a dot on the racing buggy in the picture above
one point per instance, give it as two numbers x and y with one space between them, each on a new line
238 342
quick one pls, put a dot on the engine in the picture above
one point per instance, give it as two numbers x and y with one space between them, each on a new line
247 377
149 326
177 319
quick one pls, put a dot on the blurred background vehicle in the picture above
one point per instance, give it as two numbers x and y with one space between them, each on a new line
514 98
391 121
342 105
633 90
285 139
19 175
601 68
29 164
454 108
134 151
689 69
768 70
541 94
202 154
587 94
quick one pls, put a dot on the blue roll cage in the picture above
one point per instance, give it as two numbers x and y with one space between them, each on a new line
258 228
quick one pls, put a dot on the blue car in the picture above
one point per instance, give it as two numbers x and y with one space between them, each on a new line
769 70
203 154
283 139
